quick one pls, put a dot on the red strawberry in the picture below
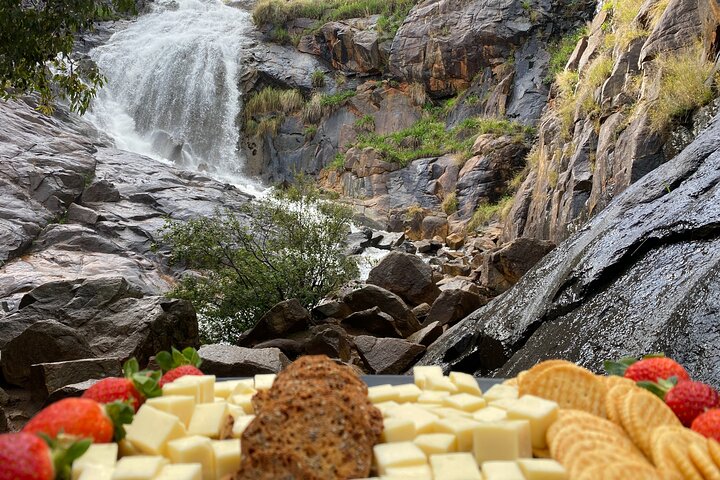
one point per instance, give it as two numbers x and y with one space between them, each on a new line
134 388
82 418
650 368
177 364
690 399
24 456
708 424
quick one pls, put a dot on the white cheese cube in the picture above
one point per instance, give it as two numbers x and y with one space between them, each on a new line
500 391
97 472
399 454
206 384
193 449
421 372
245 386
264 381
243 400
424 420
102 454
440 383
502 470
432 443
462 428
142 467
447 412
182 406
382 393
417 472
209 419
385 407
227 457
465 382
454 466
225 388
539 412
542 469
236 411
490 414
504 403
241 423
181 471
180 388
432 397
408 392
502 441
398 430
152 429
464 402
125 447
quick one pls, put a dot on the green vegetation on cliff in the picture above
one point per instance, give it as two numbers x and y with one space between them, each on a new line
36 41
288 245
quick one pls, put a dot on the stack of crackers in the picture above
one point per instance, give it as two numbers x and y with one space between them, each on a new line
610 429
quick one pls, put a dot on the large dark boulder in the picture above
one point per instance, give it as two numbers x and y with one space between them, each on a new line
232 361
94 318
642 276
387 356
370 296
503 268
406 276
286 317
452 306
373 321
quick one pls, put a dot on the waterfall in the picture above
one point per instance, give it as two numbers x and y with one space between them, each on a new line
172 85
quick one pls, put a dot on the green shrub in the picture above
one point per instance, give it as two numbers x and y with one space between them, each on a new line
280 35
482 215
288 245
336 99
366 123
272 100
318 78
560 52
450 203
684 86
338 162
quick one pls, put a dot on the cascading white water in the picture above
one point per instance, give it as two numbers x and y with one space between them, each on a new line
172 85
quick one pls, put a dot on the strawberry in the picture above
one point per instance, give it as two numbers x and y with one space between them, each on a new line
134 388
24 456
686 398
708 424
82 418
176 364
650 368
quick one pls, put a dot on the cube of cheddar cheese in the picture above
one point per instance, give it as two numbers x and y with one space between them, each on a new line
508 440
407 392
465 382
152 429
181 471
182 406
205 383
423 419
465 402
398 430
209 419
440 383
97 472
542 469
455 466
462 428
184 389
264 381
141 467
225 388
243 400
193 449
432 397
417 472
227 457
382 393
500 391
502 470
244 386
399 454
433 443
539 412
102 454
240 424
490 414
422 372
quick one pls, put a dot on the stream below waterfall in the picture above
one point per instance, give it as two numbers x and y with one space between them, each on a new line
172 87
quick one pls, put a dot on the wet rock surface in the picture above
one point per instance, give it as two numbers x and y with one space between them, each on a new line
640 277
232 361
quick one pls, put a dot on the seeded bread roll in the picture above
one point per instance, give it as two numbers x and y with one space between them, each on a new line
316 422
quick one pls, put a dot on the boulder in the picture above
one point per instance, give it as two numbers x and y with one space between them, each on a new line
331 309
633 280
452 306
373 321
387 356
369 296
94 318
351 45
79 214
455 241
455 267
504 267
72 390
291 348
427 335
434 227
100 191
421 311
48 377
231 361
407 276
286 317
330 340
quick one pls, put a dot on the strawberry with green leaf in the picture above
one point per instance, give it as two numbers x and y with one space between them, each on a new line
24 456
687 399
649 368
176 364
134 387
82 418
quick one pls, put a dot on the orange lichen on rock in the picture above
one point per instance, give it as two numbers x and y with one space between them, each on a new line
316 422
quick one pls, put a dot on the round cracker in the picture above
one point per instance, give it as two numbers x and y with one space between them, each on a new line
578 462
703 462
641 412
680 455
614 396
569 386
624 470
528 376
567 417
714 450
568 440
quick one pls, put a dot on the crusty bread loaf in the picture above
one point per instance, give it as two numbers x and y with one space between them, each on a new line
316 422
